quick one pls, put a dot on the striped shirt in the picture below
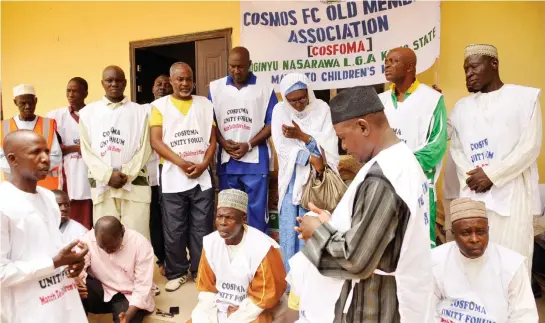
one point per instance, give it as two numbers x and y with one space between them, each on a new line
379 222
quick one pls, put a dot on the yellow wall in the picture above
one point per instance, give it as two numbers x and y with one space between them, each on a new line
47 43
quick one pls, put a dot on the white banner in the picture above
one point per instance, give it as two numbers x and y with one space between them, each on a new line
339 44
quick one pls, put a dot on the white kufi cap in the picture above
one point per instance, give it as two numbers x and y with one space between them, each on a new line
234 199
481 49
466 208
23 89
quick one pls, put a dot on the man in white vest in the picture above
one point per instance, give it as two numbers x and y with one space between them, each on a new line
115 145
183 134
36 266
241 277
371 262
478 281
417 114
495 143
243 105
161 87
74 171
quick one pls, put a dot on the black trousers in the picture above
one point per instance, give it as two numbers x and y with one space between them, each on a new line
188 217
94 303
156 225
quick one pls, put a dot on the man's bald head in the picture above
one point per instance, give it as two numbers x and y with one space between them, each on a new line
109 233
239 65
400 65
112 69
240 51
114 83
27 154
108 224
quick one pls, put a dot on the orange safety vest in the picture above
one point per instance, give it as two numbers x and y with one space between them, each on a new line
46 128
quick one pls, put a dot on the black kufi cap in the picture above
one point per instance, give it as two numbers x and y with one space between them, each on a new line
355 102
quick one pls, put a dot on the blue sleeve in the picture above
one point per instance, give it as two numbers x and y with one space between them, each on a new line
272 102
302 158
312 146
209 96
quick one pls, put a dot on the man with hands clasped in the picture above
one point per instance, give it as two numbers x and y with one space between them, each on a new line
183 134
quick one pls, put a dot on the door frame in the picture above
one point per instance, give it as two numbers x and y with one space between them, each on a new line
170 40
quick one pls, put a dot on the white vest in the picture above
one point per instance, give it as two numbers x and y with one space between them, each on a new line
489 131
240 114
74 167
233 278
413 274
34 236
189 137
115 134
413 118
153 165
487 299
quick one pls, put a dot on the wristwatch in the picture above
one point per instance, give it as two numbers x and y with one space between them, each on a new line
250 146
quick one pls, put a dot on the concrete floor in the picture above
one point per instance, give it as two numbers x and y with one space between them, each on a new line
186 299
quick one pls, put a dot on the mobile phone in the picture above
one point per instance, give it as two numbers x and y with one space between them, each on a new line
174 310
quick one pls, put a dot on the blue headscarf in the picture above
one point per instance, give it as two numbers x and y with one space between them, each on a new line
297 86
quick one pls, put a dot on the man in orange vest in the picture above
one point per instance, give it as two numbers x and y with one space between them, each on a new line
25 99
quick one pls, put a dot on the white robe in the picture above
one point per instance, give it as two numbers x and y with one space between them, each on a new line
74 167
314 120
32 289
493 287
514 168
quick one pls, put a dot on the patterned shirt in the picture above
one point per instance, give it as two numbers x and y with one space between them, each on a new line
379 222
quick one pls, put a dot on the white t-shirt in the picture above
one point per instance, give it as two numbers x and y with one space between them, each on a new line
72 230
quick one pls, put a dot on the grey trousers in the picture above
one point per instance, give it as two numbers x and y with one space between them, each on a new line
188 217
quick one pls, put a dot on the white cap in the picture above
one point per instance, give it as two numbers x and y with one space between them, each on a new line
23 89
234 199
466 208
481 50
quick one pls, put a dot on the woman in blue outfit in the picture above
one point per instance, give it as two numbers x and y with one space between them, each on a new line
301 131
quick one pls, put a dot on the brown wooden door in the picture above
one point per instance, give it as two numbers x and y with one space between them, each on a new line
211 62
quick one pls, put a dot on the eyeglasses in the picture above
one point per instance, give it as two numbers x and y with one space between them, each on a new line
163 313
302 100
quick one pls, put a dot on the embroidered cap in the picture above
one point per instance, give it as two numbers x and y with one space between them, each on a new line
23 89
481 49
234 199
466 208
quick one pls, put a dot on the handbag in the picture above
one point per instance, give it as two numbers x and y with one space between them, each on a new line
324 191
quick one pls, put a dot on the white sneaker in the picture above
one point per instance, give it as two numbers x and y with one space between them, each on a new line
174 284
156 289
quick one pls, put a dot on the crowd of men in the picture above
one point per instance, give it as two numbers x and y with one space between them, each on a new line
139 178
